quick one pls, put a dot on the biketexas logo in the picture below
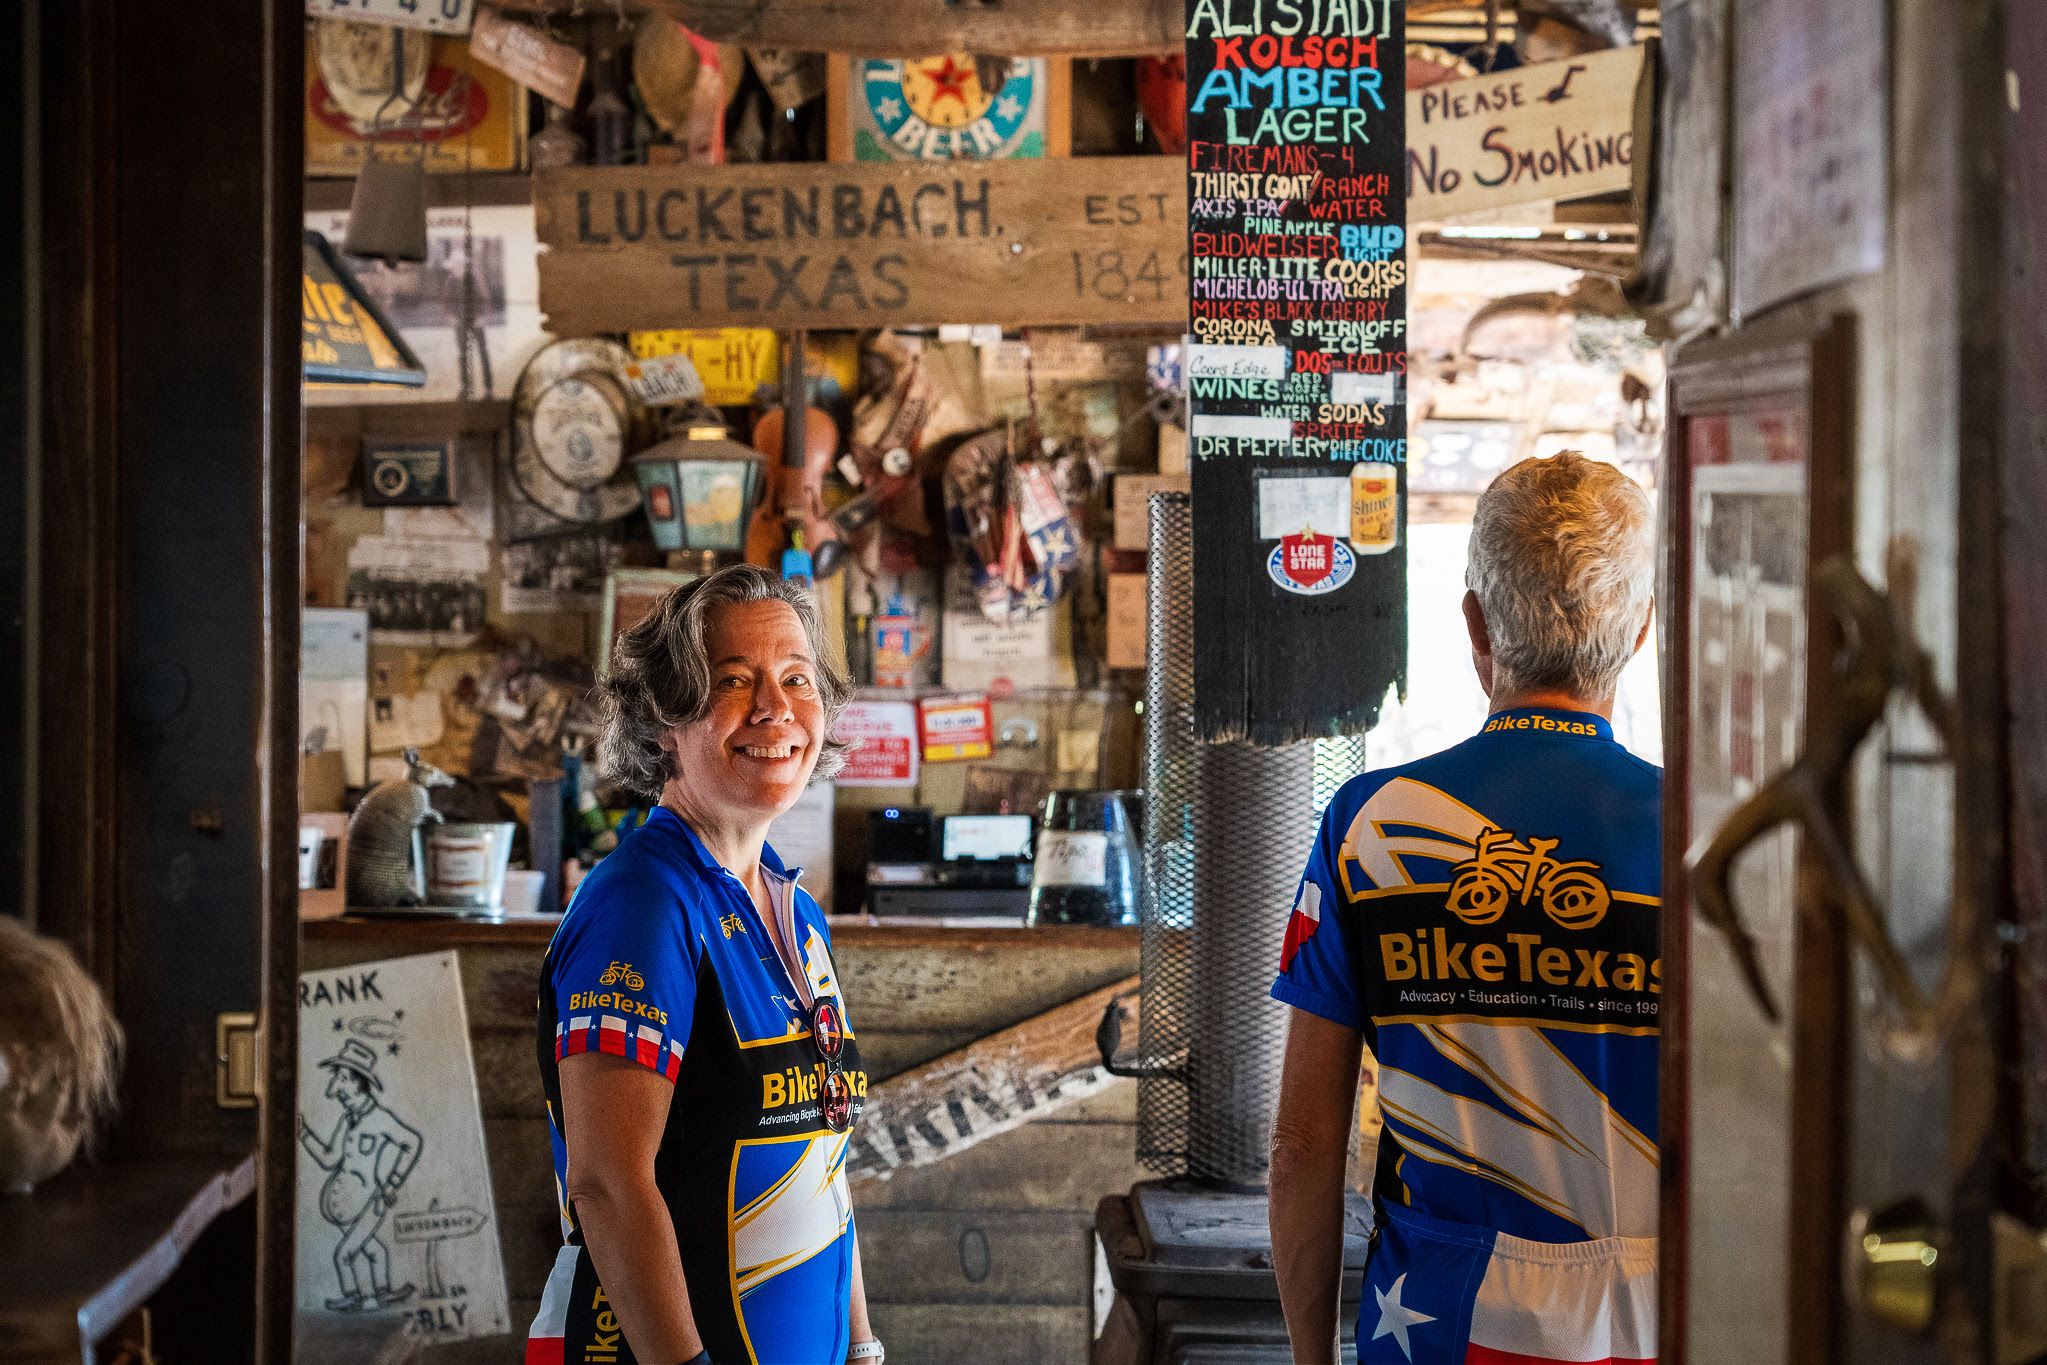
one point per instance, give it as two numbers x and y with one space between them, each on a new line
1504 871
1406 835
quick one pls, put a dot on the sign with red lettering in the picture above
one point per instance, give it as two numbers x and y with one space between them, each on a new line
884 739
956 727
1561 130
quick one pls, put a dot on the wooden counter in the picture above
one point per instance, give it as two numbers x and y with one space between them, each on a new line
86 1250
985 1255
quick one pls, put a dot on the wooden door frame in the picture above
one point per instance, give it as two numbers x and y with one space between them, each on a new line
1810 366
161 411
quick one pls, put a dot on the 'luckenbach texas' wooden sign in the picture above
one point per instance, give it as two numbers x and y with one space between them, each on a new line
1093 240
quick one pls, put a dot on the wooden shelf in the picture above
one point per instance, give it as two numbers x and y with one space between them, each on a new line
442 191
89 1248
846 929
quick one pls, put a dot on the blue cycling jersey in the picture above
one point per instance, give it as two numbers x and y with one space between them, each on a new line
1488 917
663 959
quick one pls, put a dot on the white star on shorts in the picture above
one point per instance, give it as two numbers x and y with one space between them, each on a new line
1396 1317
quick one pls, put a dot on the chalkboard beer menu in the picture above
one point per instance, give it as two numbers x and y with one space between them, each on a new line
1297 363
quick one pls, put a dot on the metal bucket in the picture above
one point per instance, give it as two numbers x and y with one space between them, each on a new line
465 864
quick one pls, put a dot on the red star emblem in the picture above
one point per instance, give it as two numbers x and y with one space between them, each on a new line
948 78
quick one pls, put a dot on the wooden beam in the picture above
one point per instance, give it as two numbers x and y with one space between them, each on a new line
877 244
917 28
1006 1079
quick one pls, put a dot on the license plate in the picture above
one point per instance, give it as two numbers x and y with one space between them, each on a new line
660 380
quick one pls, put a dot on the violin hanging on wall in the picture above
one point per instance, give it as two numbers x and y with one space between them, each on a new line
799 442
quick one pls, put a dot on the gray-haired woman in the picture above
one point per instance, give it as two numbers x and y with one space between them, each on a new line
700 1072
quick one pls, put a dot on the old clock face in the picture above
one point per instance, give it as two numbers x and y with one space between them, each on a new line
939 108
579 430
572 421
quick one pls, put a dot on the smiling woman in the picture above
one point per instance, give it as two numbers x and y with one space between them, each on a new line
721 1228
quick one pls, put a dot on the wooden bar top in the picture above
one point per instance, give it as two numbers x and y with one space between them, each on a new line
84 1251
846 930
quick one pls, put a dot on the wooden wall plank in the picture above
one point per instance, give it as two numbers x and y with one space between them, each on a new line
1049 241
1029 1071
1044 1165
926 984
971 1257
938 1334
918 28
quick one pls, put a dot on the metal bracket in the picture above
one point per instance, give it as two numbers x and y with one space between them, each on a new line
1878 657
237 1061
1109 1038
2018 1257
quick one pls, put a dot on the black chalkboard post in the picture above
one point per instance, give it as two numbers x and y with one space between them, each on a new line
1297 364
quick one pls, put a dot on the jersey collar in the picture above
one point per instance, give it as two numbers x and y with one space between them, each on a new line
1548 720
694 848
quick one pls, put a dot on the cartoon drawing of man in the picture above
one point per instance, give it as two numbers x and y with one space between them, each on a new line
368 1156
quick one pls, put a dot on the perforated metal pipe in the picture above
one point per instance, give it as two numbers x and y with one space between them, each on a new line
1227 829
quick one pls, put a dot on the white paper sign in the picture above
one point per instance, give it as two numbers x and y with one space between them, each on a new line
1242 428
1287 507
436 16
395 1216
334 686
1206 361
1072 857
1349 386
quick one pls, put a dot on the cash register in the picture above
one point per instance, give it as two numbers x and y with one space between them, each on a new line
959 867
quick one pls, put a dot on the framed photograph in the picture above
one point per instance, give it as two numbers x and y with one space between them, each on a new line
399 473
629 595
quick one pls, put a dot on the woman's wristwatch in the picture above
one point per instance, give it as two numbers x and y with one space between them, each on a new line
870 1349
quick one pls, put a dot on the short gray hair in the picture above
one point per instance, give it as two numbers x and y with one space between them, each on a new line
660 676
1563 562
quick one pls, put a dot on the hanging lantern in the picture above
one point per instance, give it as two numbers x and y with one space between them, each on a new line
699 490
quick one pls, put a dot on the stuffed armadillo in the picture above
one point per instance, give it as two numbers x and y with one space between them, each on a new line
380 846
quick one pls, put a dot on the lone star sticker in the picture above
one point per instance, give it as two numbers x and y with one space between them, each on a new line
1396 1317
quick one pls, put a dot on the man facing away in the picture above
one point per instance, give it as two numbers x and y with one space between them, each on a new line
1485 920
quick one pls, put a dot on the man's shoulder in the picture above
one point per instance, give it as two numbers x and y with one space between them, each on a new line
1443 769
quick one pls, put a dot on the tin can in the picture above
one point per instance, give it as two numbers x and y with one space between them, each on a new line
465 864
1374 508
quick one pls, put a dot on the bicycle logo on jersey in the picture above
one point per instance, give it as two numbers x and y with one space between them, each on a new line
622 971
1502 867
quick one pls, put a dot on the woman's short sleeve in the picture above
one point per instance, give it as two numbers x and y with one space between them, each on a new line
623 973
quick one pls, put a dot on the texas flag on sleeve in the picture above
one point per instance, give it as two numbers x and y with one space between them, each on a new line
1302 924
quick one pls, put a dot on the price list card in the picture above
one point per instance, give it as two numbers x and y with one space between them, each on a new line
1297 367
